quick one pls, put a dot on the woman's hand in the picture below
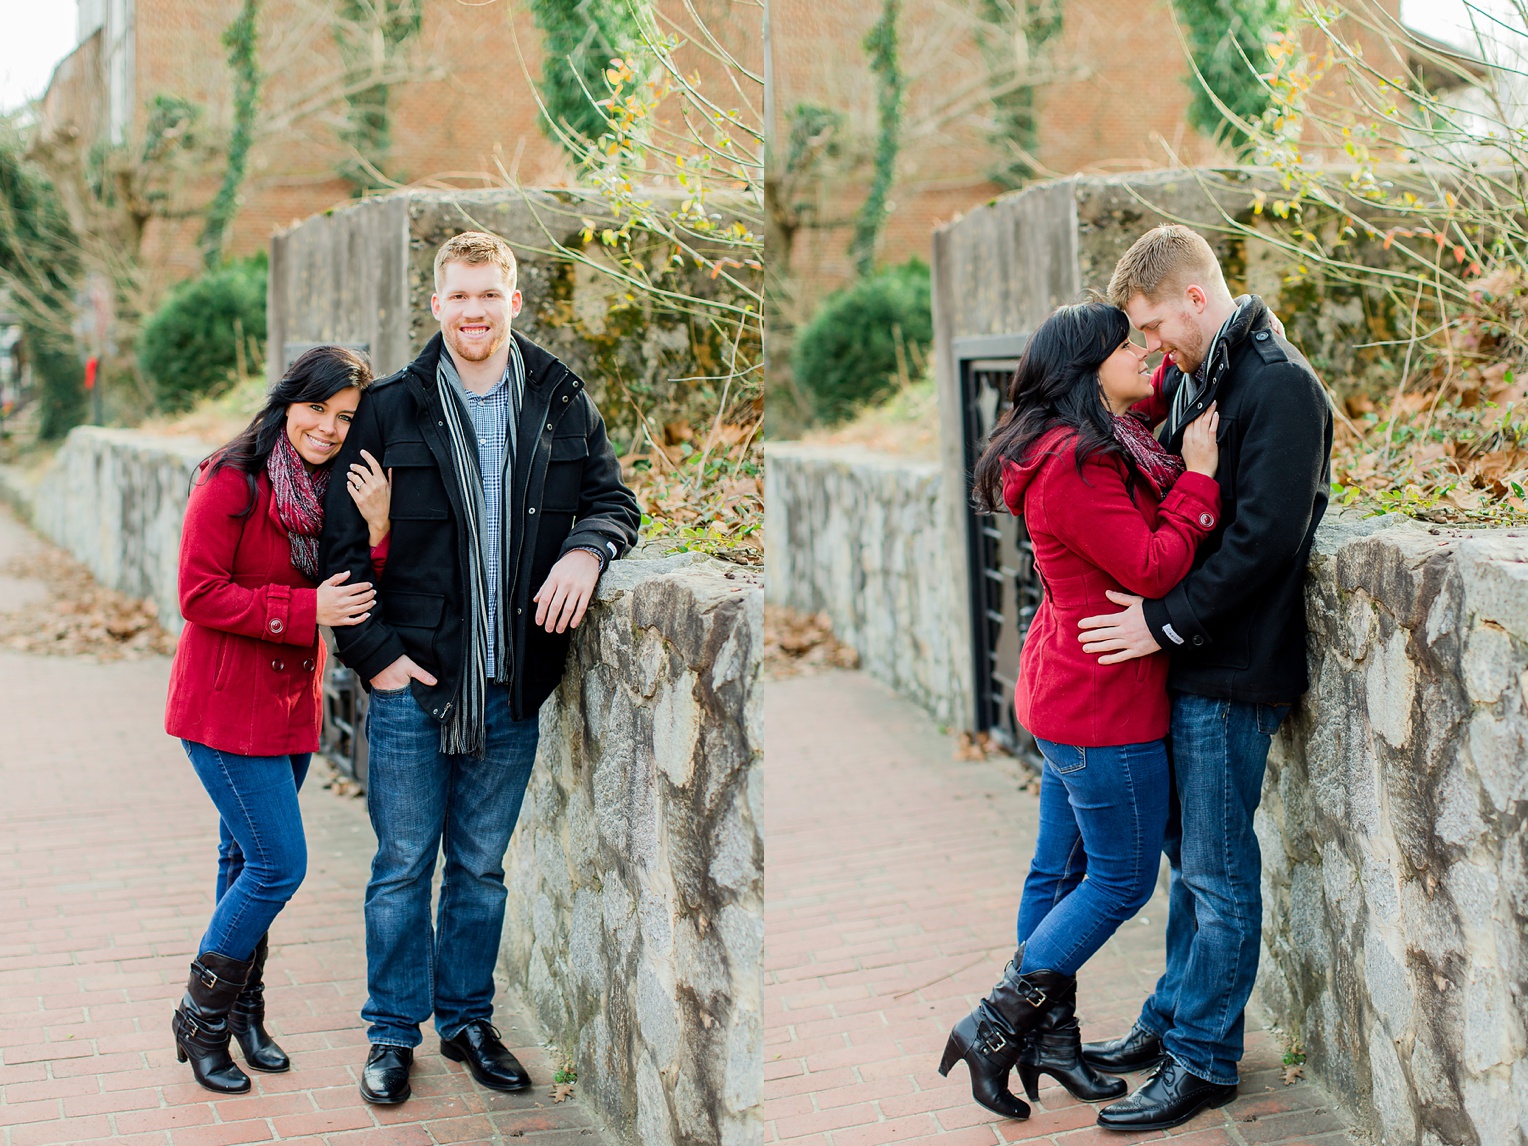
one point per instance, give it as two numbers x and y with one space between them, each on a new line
1200 452
340 605
372 492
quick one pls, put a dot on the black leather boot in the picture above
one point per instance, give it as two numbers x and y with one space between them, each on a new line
990 1037
1054 1047
247 1018
201 1022
1138 1050
1170 1097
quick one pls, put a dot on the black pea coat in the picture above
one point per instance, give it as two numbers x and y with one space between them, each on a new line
1236 624
565 493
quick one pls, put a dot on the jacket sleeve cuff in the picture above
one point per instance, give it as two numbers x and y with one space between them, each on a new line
302 617
1173 623
371 653
607 548
278 608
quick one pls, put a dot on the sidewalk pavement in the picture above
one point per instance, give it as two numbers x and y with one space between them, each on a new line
107 862
894 879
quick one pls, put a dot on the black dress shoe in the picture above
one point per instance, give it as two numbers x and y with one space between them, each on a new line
1138 1050
385 1078
1171 1096
477 1044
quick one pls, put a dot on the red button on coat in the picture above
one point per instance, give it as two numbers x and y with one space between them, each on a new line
275 625
1207 521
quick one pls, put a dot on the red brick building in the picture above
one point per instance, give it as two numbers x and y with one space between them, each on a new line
465 116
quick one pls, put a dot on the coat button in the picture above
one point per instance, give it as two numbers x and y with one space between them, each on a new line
434 712
276 625
1207 521
564 397
519 612
1261 336
278 665
307 666
532 509
549 425
1198 640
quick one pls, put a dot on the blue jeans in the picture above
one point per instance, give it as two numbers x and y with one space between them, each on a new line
420 800
1102 814
1215 905
262 852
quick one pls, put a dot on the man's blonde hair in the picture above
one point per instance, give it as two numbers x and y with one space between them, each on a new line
476 248
1164 260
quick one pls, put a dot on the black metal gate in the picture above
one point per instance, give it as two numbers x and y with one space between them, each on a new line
1005 589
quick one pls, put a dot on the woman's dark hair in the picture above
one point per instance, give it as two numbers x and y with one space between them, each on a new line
318 375
1056 384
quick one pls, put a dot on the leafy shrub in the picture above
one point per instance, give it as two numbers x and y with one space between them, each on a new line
865 339
203 332
60 380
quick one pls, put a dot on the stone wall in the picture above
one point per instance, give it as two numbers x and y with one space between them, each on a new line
636 883
116 499
636 879
1394 829
862 536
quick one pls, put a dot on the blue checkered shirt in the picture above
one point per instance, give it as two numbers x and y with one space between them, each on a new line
491 414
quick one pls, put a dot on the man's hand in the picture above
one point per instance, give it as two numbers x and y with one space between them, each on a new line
1120 636
562 601
398 674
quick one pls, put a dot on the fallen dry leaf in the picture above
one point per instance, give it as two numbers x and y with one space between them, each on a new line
562 1091
80 617
1293 1073
797 643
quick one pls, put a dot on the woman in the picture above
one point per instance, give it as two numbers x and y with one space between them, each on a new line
245 696
1107 508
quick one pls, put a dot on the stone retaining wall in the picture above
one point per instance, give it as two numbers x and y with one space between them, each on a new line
635 876
863 537
639 862
1395 851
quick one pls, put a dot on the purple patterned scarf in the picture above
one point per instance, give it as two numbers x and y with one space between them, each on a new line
1161 468
299 495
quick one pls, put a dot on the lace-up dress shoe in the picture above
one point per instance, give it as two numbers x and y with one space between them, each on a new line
1170 1097
1138 1050
385 1078
477 1044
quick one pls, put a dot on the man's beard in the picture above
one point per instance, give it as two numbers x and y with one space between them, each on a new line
491 347
1189 358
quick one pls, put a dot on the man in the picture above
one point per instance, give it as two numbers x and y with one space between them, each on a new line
506 506
1235 627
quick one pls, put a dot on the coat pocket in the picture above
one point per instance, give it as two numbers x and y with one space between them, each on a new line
416 618
221 673
564 475
418 492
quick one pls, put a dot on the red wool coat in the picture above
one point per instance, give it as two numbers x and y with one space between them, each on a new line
247 671
1089 537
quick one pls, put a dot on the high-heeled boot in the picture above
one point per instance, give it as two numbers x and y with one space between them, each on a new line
991 1036
1054 1046
247 1018
201 1022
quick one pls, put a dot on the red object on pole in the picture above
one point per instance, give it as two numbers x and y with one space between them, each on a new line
91 364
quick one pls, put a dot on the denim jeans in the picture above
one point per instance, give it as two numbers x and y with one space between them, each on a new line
422 801
1102 814
1215 906
262 852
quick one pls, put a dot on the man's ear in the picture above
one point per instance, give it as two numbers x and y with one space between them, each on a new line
435 305
1197 298
516 301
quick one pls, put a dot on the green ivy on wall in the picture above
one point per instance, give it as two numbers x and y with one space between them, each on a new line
371 35
241 38
1227 42
1012 39
582 37
880 45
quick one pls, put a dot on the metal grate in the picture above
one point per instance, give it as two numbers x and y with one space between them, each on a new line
343 736
1005 588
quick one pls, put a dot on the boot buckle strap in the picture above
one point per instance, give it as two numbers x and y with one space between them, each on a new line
1032 994
992 1039
208 977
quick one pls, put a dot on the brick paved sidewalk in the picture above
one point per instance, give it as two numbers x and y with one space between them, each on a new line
894 879
107 862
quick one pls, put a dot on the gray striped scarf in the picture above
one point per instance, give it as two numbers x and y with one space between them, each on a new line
1194 384
462 731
